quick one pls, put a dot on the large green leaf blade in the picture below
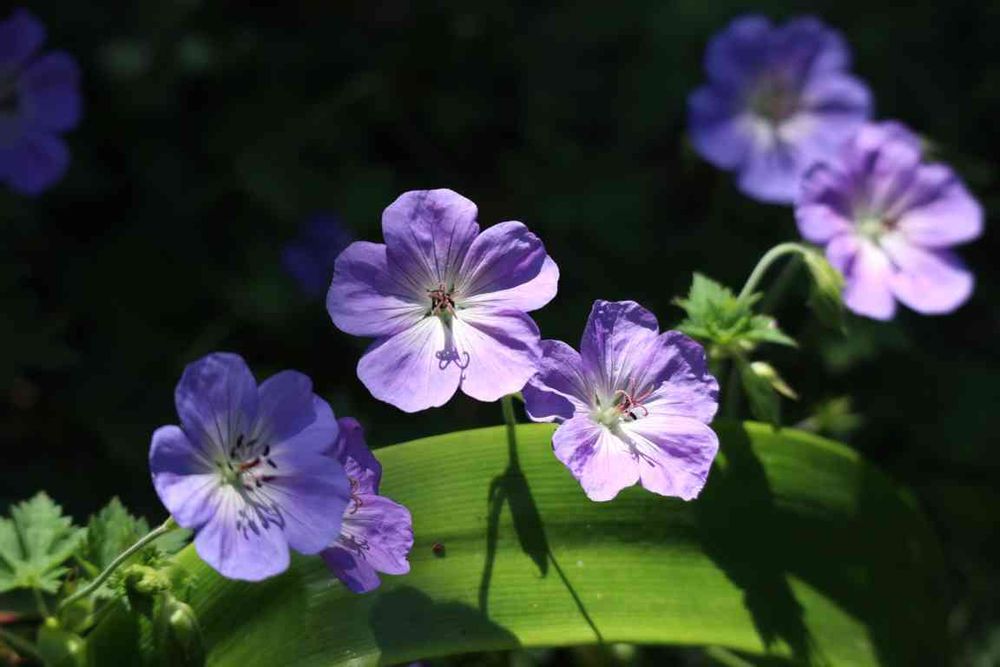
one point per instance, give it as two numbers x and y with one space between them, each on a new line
796 548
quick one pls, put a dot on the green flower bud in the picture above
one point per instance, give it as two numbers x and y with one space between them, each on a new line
177 635
826 293
768 372
60 647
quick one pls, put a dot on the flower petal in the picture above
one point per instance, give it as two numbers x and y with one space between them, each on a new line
928 281
507 265
364 298
677 367
720 131
21 36
837 93
771 171
351 568
739 50
184 476
675 453
559 388
601 462
942 212
416 369
823 210
216 399
49 92
498 349
616 343
288 410
867 275
427 233
358 461
35 162
310 493
241 543
387 529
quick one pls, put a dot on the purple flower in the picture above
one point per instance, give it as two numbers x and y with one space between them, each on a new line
310 256
377 533
248 468
888 220
445 304
39 98
633 405
778 99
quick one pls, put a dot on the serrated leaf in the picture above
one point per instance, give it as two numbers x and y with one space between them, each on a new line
797 549
34 543
764 329
109 532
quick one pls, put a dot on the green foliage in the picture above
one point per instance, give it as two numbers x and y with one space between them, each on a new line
60 647
761 384
109 532
726 323
177 634
796 550
34 543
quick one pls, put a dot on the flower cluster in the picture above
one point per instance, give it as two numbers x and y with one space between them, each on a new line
781 109
39 99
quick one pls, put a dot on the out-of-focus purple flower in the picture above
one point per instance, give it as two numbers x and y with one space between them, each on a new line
888 221
778 98
249 468
377 533
39 98
633 405
445 303
310 256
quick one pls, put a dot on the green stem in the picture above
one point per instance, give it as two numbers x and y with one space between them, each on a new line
21 645
510 419
160 530
43 608
765 263
780 285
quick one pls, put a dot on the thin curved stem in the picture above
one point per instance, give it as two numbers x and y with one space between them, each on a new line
159 531
765 263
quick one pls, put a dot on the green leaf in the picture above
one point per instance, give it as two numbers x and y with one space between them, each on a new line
110 532
716 316
796 548
34 543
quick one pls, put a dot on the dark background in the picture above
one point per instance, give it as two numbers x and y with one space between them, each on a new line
212 131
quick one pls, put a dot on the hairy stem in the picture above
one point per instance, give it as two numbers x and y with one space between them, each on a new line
765 263
160 530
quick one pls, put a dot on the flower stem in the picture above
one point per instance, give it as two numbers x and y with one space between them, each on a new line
43 608
510 419
21 645
160 530
780 284
731 403
765 263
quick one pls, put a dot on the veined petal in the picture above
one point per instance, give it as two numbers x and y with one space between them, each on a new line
286 407
184 476
241 541
358 461
823 210
216 399
559 389
678 369
49 92
366 300
415 369
675 453
930 281
616 344
310 493
498 349
507 267
600 461
427 233
348 565
21 36
387 530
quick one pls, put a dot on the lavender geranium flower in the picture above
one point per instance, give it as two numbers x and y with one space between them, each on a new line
377 533
445 302
248 468
309 257
888 221
633 405
778 99
39 98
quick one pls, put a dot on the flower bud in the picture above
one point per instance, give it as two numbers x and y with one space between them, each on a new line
59 647
177 635
826 293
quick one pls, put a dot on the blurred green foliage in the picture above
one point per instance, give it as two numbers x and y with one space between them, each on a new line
212 129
